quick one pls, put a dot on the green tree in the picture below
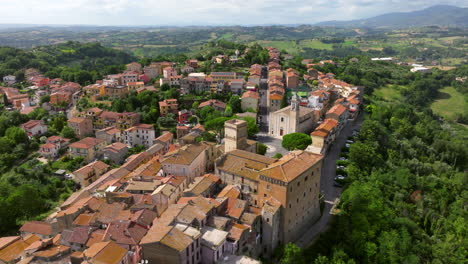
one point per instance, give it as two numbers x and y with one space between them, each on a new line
261 148
278 156
67 132
235 103
293 255
217 125
44 99
284 101
296 141
165 87
17 135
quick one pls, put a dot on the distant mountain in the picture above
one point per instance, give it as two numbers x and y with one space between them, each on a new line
440 15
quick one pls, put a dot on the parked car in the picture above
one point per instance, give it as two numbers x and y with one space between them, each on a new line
347 145
339 177
340 167
343 158
337 185
349 141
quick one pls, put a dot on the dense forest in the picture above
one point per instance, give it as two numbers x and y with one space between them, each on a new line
71 61
405 199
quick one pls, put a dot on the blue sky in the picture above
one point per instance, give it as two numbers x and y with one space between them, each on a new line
202 12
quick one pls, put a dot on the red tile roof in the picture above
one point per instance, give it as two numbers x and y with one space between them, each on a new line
37 227
86 143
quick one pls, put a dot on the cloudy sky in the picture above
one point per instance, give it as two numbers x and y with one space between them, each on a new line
202 12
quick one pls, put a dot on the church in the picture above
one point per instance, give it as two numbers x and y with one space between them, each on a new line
291 119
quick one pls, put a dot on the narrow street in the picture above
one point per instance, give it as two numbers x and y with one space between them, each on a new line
326 183
263 110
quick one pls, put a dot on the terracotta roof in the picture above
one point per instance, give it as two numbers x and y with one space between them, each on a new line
37 227
165 137
125 232
271 205
200 185
291 165
13 250
230 191
243 163
144 217
338 110
54 251
213 102
95 237
77 235
184 155
213 177
95 165
236 207
83 220
116 147
276 97
168 236
236 231
250 94
76 120
324 129
87 143
106 252
5 241
32 123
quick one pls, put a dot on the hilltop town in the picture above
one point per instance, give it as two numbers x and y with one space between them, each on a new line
243 155
202 184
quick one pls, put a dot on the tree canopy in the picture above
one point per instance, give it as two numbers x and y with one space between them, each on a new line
294 141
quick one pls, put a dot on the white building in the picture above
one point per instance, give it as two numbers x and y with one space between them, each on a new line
142 134
420 69
213 244
9 79
291 119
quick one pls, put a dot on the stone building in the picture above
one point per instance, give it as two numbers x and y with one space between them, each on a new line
235 136
291 119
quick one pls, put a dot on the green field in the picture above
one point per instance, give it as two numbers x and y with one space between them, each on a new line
389 92
315 44
449 103
294 47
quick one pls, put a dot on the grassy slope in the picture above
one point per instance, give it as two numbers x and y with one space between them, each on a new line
449 103
389 93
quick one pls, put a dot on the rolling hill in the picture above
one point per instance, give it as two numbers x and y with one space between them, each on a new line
440 15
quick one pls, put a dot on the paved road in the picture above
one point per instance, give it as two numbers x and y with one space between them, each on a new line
263 110
274 144
326 184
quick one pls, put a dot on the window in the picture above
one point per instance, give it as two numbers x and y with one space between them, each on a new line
306 178
289 205
298 183
268 220
290 189
268 187
304 194
297 200
282 119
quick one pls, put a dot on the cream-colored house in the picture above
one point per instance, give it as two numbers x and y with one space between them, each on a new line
249 100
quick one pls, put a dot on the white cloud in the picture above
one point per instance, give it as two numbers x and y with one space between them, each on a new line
202 12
